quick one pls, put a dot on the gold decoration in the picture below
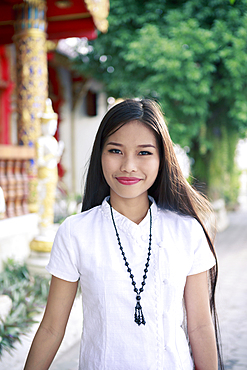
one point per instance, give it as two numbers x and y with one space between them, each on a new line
30 38
49 113
31 81
48 180
36 3
33 194
68 17
50 45
100 11
63 4
41 246
31 84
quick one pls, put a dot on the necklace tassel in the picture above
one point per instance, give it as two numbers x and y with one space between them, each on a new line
139 317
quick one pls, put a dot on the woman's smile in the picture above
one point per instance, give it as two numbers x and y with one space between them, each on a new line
128 180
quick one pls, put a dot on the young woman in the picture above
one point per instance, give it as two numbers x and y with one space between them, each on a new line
145 262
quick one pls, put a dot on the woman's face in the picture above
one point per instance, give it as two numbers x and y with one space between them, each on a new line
130 161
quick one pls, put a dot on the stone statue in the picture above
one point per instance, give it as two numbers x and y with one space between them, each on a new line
49 152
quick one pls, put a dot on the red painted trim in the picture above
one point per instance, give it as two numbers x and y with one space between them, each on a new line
57 29
5 97
72 28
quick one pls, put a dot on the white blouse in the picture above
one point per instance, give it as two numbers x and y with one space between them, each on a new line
86 248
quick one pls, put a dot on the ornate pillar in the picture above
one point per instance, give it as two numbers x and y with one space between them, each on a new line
32 80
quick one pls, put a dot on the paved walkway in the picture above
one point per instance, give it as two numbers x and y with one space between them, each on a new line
231 246
67 357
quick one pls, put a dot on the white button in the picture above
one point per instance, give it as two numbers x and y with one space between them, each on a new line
165 281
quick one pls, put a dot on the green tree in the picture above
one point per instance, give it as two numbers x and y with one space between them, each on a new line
191 56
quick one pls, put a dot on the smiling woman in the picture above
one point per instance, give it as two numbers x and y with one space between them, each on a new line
139 249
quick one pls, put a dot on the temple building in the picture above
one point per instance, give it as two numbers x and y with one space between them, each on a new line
32 69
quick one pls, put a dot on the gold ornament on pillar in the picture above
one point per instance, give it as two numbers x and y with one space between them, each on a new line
100 12
32 80
49 152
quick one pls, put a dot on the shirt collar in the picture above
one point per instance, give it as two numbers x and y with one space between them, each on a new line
130 228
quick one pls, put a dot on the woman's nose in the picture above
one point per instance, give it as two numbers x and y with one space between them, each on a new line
128 164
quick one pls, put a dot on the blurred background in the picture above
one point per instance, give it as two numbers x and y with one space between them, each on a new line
85 56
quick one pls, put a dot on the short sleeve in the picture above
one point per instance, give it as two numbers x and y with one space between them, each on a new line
203 258
62 262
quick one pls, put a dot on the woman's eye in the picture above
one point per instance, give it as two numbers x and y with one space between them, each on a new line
145 152
117 151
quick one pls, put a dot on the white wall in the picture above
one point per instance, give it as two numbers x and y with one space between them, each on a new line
15 235
65 125
84 134
78 131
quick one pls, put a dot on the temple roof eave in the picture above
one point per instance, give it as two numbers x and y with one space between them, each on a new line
83 19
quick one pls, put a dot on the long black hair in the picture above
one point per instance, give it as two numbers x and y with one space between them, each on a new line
170 190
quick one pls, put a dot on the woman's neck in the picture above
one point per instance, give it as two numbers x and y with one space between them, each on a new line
134 209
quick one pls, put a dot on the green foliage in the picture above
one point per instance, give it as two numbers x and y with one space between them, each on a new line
28 295
223 166
189 55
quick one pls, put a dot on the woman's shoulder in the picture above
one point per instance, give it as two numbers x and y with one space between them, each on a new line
82 219
178 220
181 227
175 215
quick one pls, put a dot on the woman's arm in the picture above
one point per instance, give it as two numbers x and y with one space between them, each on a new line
52 328
199 321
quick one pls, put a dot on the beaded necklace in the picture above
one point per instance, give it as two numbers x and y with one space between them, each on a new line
138 316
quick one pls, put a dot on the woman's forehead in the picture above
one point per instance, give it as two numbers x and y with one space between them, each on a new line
133 130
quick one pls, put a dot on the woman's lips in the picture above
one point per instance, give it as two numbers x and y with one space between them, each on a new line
128 180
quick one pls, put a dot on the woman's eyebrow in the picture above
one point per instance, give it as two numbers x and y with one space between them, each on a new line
139 146
146 146
113 143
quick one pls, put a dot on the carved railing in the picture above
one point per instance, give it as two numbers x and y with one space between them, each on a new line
14 161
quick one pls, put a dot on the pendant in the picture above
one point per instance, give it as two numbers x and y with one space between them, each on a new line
139 317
